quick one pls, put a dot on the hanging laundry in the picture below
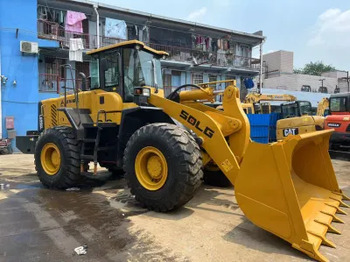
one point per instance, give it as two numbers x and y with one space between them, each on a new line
74 21
214 44
116 28
224 46
209 44
76 48
219 44
61 18
76 44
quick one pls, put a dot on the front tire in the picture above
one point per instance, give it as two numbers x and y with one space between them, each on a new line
163 166
57 158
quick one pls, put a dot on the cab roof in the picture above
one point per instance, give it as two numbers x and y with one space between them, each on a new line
130 43
340 95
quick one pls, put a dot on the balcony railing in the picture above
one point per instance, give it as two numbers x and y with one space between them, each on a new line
53 31
198 57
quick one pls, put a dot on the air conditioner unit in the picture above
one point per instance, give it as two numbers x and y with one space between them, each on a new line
29 47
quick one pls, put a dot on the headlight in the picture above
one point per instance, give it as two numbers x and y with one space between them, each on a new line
146 92
140 91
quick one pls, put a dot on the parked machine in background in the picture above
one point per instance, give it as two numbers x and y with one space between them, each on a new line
296 118
339 120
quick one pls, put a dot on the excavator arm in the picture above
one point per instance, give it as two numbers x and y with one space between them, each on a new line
256 98
322 106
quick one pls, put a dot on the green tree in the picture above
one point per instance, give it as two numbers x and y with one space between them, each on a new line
314 68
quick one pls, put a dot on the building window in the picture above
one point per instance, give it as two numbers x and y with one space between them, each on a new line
53 67
197 78
213 78
167 81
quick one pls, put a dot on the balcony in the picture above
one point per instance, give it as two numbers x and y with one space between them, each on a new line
53 31
219 58
50 30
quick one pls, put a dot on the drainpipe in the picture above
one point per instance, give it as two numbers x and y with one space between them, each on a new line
261 66
98 25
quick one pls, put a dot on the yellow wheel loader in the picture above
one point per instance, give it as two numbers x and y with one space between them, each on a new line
287 188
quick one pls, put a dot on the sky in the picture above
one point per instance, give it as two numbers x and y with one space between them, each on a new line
315 30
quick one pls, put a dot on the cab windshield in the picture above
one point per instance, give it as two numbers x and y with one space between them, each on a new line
305 108
140 68
338 104
296 109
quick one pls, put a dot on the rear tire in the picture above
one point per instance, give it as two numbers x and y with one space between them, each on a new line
213 176
181 159
62 173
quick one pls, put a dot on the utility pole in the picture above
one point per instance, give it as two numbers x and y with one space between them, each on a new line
322 81
322 89
261 67
347 79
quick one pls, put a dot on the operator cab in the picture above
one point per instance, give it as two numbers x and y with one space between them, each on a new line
122 67
339 104
296 109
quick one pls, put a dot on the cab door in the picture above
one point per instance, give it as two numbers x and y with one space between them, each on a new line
107 102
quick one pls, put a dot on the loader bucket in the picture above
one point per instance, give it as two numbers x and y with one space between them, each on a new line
289 188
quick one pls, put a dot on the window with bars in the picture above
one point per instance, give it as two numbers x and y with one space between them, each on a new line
53 67
197 78
213 78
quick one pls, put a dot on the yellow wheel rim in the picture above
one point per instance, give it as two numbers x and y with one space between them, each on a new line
50 159
151 168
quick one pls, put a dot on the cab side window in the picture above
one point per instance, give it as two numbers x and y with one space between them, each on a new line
95 72
110 71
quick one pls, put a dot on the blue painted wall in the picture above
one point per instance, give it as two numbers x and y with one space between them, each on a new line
21 100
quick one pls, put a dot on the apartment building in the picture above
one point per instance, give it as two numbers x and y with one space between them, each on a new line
197 52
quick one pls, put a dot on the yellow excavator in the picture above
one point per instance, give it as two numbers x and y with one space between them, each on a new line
288 188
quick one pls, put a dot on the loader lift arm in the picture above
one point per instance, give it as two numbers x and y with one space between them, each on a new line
211 126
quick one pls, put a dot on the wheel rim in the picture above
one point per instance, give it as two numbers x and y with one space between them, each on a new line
151 168
50 159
